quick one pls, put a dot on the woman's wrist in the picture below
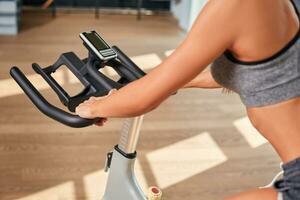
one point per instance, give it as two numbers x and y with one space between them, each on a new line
97 109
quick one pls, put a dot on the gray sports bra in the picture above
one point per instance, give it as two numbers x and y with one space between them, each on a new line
264 82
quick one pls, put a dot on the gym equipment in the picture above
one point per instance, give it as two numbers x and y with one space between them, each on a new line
121 183
97 45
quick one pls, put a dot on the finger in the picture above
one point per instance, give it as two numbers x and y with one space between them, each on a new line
112 91
103 97
88 101
99 124
102 121
92 99
84 112
100 98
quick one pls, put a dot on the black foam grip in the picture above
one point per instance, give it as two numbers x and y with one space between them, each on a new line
44 106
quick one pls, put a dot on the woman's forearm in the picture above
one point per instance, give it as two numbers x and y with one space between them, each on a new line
203 80
145 94
126 102
136 98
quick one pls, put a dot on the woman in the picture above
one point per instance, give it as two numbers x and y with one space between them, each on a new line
255 49
47 4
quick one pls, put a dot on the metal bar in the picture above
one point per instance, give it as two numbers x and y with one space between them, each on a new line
139 9
97 8
53 9
130 134
75 3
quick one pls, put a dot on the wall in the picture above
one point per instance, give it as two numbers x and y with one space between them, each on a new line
9 17
149 4
186 11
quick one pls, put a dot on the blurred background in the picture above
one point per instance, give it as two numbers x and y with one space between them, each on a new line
198 145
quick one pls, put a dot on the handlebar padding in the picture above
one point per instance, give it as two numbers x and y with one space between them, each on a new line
44 106
129 63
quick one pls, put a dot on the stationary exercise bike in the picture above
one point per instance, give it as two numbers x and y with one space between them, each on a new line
121 183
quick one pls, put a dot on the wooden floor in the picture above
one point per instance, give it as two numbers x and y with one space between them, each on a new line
197 145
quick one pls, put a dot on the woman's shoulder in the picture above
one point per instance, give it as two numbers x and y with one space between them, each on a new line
224 5
227 11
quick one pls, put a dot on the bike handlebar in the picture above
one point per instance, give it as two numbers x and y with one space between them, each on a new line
44 106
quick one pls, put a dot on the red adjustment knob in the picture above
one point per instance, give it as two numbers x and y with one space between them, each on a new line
154 193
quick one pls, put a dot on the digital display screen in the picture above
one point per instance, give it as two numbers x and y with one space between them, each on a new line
97 41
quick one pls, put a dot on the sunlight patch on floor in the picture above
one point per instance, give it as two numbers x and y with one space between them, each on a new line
59 192
185 159
95 182
252 136
147 61
9 87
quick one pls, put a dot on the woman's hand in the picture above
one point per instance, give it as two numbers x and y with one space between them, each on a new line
88 109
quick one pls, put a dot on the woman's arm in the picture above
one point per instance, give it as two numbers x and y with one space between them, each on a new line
203 80
212 33
47 4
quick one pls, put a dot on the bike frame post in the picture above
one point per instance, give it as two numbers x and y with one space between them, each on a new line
122 183
130 134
